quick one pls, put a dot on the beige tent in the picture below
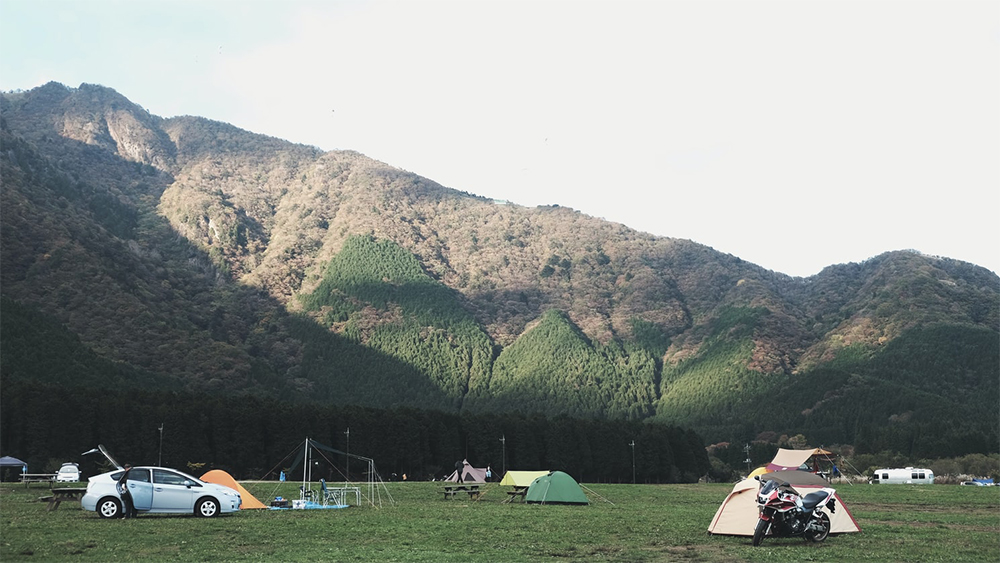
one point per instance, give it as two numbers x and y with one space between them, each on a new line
738 514
521 478
793 459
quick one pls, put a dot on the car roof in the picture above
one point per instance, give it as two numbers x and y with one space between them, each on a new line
116 470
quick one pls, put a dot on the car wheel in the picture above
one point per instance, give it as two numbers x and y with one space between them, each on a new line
206 508
109 507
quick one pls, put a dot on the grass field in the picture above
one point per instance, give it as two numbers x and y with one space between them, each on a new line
645 523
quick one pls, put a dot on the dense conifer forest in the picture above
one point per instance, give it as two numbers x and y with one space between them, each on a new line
250 436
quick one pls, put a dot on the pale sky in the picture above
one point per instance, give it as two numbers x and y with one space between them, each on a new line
794 134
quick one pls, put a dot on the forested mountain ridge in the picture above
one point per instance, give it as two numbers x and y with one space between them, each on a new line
227 260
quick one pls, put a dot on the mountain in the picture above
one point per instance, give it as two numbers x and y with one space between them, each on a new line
191 254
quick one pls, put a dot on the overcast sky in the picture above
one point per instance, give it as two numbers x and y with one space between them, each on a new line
792 134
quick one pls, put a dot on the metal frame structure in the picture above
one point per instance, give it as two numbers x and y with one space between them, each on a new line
375 486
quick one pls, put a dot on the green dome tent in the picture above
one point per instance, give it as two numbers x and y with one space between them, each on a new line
555 488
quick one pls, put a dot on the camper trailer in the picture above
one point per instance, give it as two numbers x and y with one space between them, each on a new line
906 476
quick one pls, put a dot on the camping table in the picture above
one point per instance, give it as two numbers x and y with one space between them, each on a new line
450 490
37 478
65 493
339 494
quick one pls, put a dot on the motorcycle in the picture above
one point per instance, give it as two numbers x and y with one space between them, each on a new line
783 513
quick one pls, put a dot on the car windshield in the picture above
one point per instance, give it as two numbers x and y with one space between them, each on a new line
68 470
186 476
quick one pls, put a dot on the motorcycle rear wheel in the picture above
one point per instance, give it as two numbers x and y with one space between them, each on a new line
760 531
820 536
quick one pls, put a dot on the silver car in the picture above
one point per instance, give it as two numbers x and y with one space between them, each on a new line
68 473
159 490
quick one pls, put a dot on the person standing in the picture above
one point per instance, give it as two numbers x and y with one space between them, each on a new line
126 495
459 469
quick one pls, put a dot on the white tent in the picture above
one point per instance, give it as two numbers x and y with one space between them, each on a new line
738 514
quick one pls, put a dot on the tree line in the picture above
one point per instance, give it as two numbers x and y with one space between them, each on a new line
252 437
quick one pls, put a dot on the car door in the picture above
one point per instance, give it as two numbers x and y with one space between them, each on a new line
140 488
173 492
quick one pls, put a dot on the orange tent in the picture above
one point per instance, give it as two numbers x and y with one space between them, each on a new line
220 477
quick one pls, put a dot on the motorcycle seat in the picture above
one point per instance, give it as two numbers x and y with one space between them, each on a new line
810 501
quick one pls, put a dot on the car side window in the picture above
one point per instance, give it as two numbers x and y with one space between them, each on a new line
140 475
164 477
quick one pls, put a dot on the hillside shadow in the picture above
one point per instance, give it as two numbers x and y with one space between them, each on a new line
229 332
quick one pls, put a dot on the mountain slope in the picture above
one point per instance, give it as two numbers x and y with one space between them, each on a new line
554 369
376 294
204 254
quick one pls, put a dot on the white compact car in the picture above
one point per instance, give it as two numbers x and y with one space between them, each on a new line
68 473
159 490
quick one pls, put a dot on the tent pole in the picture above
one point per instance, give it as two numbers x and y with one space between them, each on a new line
305 468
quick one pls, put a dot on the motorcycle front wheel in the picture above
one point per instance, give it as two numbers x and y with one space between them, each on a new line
760 531
817 536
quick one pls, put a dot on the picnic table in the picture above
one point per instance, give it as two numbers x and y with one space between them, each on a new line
472 489
516 492
27 478
59 495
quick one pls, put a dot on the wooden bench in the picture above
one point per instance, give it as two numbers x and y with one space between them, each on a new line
28 478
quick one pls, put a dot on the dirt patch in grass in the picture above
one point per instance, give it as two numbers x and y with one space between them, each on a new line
857 507
962 527
694 553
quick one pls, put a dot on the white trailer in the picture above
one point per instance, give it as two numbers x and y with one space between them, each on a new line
905 476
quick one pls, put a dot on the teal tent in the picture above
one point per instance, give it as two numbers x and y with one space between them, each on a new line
555 488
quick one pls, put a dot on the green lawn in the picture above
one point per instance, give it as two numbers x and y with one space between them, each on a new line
645 523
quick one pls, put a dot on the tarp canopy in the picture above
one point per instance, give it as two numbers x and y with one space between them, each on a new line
299 454
469 474
794 477
793 459
521 478
738 514
220 477
8 461
555 487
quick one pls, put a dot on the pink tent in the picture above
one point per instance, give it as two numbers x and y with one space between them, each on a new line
469 474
